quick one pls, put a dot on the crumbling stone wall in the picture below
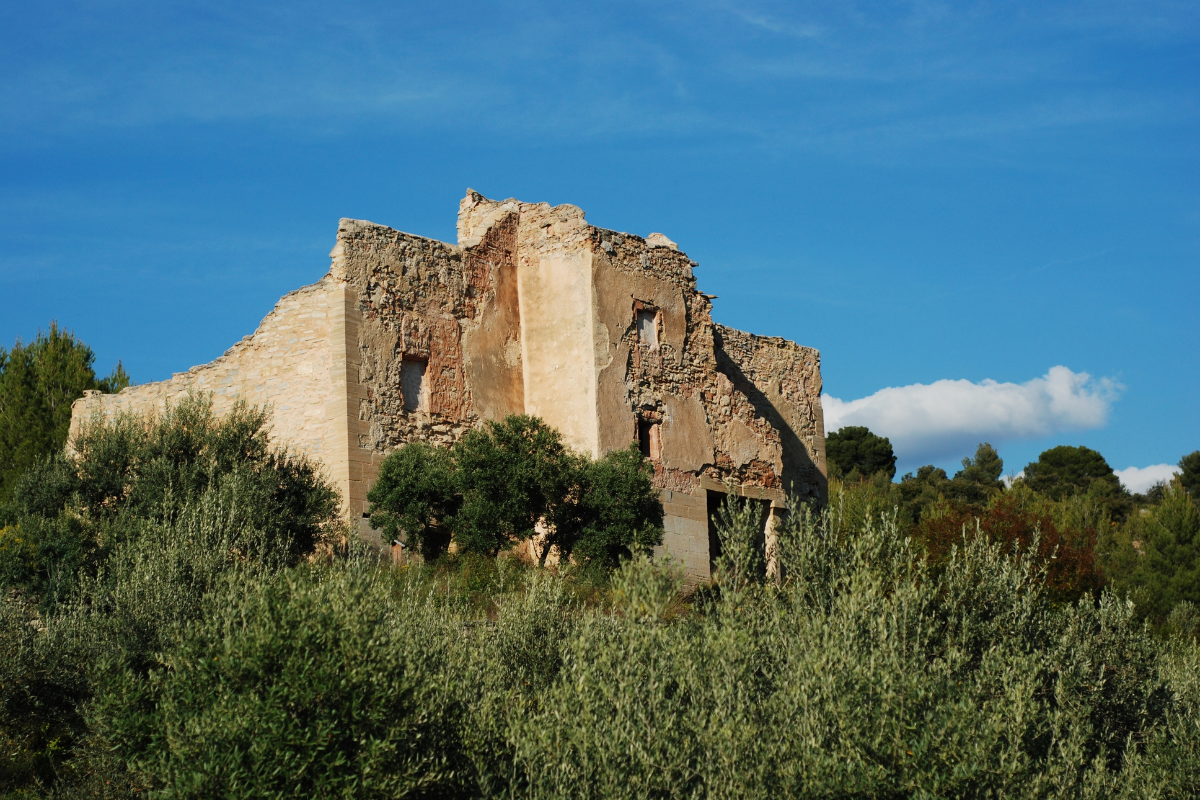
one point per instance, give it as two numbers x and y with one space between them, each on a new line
452 308
412 293
778 384
659 383
532 311
711 388
294 363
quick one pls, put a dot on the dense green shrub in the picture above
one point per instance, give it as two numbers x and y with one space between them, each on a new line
192 654
303 686
68 512
514 480
1067 555
129 466
864 676
127 615
42 688
415 498
866 673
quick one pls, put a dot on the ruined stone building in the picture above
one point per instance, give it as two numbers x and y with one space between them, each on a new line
604 335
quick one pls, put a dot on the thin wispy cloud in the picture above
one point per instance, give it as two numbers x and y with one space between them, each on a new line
932 422
838 78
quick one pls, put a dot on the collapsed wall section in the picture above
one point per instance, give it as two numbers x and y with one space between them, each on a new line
295 363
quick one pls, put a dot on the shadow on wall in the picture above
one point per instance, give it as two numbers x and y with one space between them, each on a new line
801 476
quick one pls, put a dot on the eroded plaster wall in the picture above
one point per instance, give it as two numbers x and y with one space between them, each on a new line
724 416
554 273
452 309
780 382
749 417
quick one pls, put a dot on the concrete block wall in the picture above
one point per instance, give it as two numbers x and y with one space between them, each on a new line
685 533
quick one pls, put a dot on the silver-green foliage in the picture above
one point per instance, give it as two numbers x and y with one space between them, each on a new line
865 675
862 674
135 610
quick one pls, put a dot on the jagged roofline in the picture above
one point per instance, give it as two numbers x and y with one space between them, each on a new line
349 224
471 235
496 209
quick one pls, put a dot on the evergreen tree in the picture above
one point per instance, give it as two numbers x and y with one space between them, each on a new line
985 469
1189 476
1165 554
980 476
616 513
921 491
855 449
38 383
1062 471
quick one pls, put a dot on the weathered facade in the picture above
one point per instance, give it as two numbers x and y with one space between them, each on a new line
601 334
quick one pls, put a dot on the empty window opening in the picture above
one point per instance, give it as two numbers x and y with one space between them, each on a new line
648 439
716 503
412 385
647 326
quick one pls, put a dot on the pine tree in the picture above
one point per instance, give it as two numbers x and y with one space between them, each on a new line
38 383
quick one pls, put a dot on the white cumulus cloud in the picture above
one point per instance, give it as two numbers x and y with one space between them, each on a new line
1139 479
931 422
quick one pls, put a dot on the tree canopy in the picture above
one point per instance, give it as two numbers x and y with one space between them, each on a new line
1163 548
415 498
980 476
984 469
1065 470
855 448
1189 476
974 484
38 383
614 513
511 481
511 474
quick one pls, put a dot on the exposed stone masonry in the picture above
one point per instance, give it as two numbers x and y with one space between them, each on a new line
534 311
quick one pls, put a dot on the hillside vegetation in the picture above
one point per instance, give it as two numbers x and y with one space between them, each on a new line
184 616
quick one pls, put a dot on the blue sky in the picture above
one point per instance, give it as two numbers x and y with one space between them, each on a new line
935 195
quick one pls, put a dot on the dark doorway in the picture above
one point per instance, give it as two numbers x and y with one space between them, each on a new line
715 500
